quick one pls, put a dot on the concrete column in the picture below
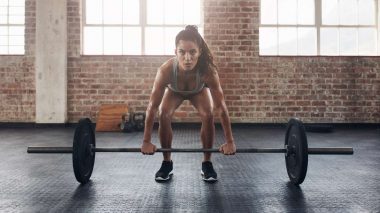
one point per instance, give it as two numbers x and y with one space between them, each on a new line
51 61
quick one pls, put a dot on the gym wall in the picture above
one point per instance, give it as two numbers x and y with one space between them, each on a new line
257 89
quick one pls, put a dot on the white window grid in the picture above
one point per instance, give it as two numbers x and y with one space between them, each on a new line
318 25
142 24
12 27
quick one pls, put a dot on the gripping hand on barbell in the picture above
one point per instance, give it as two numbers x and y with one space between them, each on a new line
228 148
148 148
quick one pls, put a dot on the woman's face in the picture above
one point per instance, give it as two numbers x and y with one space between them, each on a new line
187 53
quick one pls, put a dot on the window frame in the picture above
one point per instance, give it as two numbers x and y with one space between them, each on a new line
8 25
142 24
318 25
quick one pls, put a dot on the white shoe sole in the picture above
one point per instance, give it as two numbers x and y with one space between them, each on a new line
164 179
210 179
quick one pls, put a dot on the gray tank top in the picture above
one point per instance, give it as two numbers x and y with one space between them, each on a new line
174 80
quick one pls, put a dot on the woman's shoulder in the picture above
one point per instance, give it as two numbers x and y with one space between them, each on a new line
210 73
165 70
167 66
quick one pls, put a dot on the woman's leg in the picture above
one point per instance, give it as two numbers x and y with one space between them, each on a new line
204 104
170 102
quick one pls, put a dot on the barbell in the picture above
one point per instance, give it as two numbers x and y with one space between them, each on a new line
295 149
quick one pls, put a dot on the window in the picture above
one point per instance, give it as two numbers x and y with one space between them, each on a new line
320 27
12 26
136 27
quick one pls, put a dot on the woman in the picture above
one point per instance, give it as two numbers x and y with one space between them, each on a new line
191 75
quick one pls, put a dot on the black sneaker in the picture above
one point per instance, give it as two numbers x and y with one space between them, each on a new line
208 172
165 172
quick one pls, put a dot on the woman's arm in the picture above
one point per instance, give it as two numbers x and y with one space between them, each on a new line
221 109
158 90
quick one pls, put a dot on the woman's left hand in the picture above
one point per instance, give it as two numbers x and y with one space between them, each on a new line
228 148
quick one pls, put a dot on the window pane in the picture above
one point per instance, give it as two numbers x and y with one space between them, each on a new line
367 41
268 40
113 11
94 11
173 12
3 49
16 10
3 40
200 31
3 30
329 41
155 11
16 40
287 12
12 37
113 41
3 2
3 19
330 12
17 3
367 12
307 41
348 12
154 40
348 38
93 41
268 12
287 41
16 19
132 40
306 12
170 34
19 50
192 12
16 30
131 11
4 11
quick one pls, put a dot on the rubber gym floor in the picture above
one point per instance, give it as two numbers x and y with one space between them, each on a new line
124 182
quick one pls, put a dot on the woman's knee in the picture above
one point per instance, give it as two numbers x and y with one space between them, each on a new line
164 115
207 116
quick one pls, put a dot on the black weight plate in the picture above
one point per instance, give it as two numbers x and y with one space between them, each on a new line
83 157
297 157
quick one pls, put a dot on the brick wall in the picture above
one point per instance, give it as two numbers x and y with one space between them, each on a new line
257 89
17 83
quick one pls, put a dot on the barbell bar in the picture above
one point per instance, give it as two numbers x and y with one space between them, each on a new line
311 151
295 149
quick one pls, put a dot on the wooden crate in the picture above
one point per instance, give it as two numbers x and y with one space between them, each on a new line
109 117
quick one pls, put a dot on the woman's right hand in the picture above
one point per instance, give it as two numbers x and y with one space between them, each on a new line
148 148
